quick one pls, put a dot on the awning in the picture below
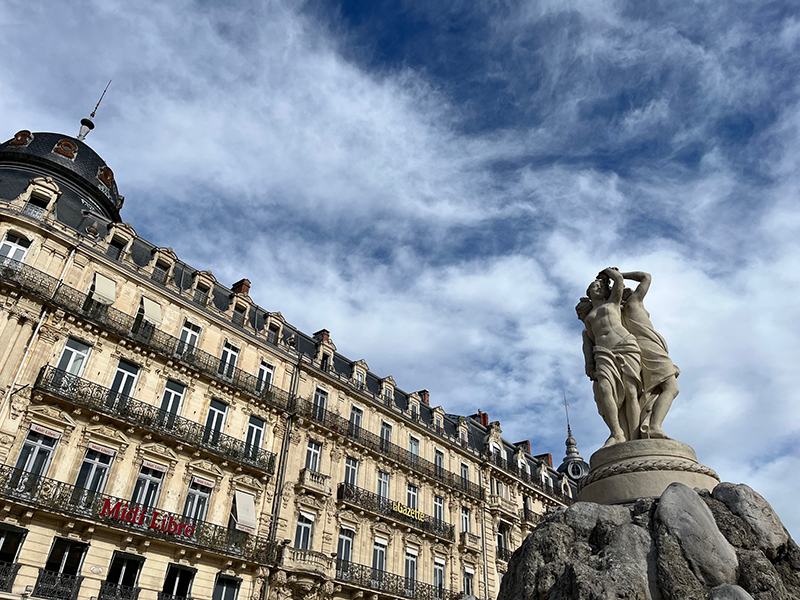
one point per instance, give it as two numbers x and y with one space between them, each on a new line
245 512
152 311
105 289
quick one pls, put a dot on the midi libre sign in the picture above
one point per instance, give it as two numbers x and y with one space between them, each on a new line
412 513
146 517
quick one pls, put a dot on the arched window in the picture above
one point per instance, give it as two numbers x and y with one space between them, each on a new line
13 249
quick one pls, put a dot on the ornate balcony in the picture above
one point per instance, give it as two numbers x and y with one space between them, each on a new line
27 278
469 541
8 572
531 480
504 554
114 591
500 503
314 482
58 497
389 584
530 517
371 441
366 500
85 394
57 586
295 559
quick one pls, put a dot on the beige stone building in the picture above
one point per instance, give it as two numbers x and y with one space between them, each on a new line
162 436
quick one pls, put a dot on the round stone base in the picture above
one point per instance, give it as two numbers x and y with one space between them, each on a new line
642 468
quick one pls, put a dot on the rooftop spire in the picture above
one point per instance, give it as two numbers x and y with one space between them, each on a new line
86 124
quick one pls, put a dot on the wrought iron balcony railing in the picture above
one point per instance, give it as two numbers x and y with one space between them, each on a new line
533 481
40 284
504 554
58 586
62 498
392 451
370 501
390 584
85 394
530 517
115 591
8 572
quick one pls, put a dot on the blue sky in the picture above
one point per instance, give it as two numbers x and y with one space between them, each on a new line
437 183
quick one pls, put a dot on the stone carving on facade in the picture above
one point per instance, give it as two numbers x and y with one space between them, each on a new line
380 528
106 435
51 416
204 468
160 453
634 380
18 404
348 518
309 501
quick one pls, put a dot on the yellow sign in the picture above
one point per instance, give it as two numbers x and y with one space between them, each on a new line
415 514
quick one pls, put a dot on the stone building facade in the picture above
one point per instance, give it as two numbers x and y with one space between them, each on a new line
162 436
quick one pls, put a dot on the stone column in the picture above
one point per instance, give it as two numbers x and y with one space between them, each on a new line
18 339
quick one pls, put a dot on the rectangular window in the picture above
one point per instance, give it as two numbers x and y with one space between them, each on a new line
171 403
11 538
272 334
239 315
226 587
464 473
93 473
13 249
123 575
254 438
465 525
351 471
227 363
411 569
148 484
178 582
360 380
197 498
438 508
243 512
313 454
266 372
383 484
305 531
438 578
123 385
468 583
320 405
356 416
414 412
65 559
386 435
413 451
438 462
215 421
34 458
438 423
379 558
190 334
412 496
344 551
73 357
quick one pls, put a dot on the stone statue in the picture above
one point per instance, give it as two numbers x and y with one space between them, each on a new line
659 374
613 357
634 380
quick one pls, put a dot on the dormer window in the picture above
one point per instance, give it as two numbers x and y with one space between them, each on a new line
201 294
272 334
325 363
239 313
438 422
359 379
115 248
160 272
414 412
387 394
36 207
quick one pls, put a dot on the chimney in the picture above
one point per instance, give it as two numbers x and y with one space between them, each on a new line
425 396
484 418
241 287
323 335
548 458
526 445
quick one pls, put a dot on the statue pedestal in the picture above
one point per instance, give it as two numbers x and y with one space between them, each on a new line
642 468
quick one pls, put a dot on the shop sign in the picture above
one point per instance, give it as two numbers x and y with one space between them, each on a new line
147 517
413 513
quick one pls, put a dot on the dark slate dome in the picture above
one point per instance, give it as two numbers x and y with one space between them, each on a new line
65 157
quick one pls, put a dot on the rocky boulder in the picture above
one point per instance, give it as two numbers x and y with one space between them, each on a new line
687 544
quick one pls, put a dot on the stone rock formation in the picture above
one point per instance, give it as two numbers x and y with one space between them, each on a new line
686 545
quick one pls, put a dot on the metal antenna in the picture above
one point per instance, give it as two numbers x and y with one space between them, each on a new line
86 124
101 99
566 410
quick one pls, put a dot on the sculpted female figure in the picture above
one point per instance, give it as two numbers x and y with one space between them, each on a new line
613 358
659 373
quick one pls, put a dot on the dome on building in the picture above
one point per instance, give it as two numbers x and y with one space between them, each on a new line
573 464
71 162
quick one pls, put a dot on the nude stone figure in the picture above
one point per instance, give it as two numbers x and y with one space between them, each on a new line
613 357
659 374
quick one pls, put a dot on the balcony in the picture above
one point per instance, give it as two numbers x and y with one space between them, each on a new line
57 586
159 275
296 559
469 541
123 325
114 591
371 441
530 517
504 554
8 572
33 211
389 584
85 394
314 482
531 480
500 503
61 498
366 500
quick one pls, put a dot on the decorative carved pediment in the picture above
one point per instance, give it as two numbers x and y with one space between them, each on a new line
248 483
348 518
381 528
51 417
413 539
204 468
309 501
159 453
277 316
390 380
122 230
107 436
